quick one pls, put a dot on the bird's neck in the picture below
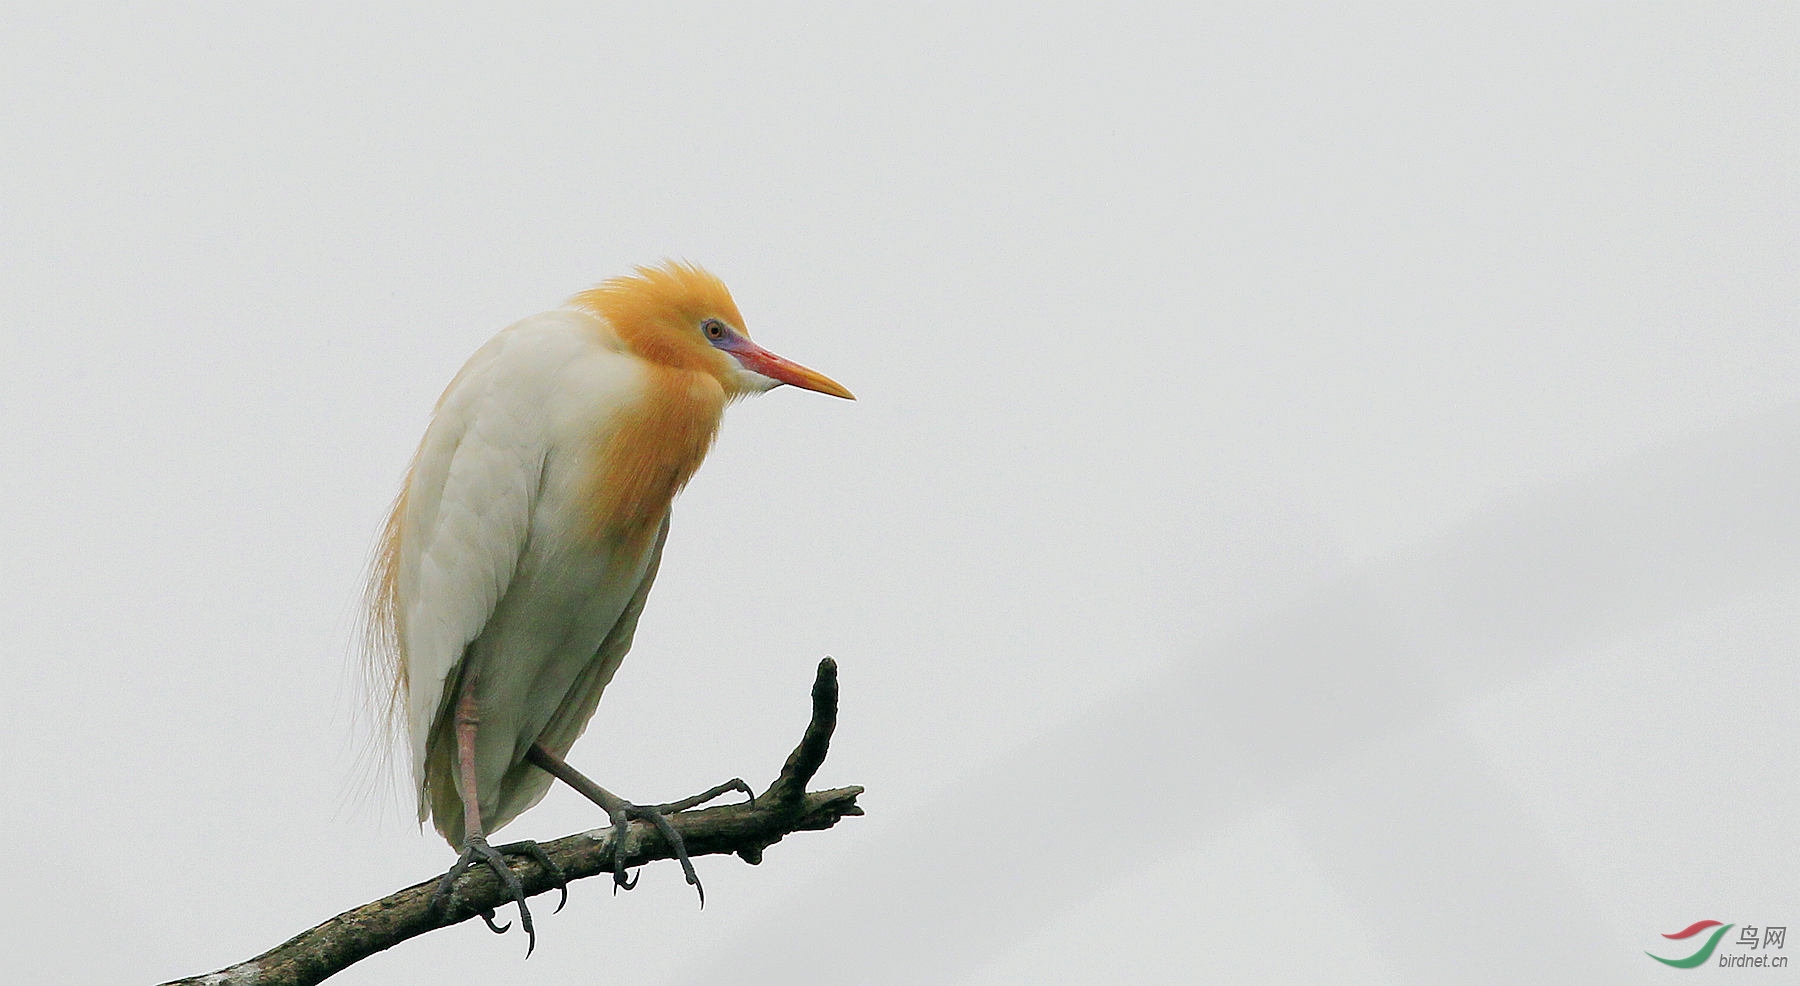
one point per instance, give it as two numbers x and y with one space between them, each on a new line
652 450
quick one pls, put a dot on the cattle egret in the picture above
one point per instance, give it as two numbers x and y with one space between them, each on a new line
514 566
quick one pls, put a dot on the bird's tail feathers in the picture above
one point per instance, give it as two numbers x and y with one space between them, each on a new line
381 674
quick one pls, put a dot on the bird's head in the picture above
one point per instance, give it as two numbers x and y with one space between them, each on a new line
680 316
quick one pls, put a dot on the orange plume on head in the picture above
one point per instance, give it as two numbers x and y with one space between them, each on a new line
680 321
652 309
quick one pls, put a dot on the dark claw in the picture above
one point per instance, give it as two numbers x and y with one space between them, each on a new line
621 826
440 898
621 819
476 849
735 784
675 842
620 812
537 854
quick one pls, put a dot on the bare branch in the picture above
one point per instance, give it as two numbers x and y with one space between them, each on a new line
745 829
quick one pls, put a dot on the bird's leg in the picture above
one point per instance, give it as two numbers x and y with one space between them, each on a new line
621 812
475 844
617 809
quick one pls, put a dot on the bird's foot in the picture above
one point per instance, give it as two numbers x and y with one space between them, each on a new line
536 853
476 850
735 784
624 812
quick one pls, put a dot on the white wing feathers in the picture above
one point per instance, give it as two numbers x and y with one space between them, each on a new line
468 514
483 478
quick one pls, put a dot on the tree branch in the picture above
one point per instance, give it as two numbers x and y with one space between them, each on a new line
745 829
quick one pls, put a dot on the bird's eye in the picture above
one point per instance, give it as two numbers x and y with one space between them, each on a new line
713 328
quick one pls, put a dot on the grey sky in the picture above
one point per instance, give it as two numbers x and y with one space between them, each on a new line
1320 505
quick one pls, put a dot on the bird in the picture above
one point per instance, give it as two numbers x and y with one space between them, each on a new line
515 562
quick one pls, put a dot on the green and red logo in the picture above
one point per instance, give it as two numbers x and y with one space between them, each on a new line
1705 951
1754 947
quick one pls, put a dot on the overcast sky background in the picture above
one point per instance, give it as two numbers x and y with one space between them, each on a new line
1321 507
